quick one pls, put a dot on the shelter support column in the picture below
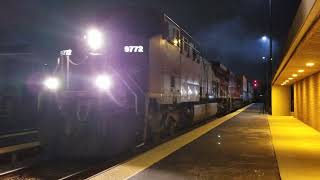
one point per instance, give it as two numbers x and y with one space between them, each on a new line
280 100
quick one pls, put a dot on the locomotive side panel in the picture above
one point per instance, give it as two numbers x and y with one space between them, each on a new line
164 74
207 80
190 73
174 73
203 111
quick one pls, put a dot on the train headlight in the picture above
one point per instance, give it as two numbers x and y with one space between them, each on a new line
51 83
103 82
94 39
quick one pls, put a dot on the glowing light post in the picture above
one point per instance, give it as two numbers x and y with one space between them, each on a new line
268 39
266 62
269 68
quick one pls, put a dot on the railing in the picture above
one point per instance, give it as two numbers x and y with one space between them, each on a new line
12 143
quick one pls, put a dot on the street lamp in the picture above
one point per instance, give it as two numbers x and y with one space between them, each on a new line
264 38
266 42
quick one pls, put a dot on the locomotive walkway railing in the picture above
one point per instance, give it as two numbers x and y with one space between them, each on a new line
13 143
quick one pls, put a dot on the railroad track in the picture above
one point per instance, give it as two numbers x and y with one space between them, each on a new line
47 170
63 169
18 150
20 143
68 169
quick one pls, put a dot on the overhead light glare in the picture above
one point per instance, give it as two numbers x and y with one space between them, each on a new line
310 64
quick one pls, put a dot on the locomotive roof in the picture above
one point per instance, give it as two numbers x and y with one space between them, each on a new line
145 22
140 20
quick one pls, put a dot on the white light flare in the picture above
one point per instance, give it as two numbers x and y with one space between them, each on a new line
103 82
264 38
51 83
94 39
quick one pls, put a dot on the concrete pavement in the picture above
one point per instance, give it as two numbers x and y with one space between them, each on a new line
240 148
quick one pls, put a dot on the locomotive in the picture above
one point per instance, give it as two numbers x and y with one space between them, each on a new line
139 80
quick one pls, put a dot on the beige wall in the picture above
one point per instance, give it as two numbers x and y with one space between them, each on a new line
306 100
281 100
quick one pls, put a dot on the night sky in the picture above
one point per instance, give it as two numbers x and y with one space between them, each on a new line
229 31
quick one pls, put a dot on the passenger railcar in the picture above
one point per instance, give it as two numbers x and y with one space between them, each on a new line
148 81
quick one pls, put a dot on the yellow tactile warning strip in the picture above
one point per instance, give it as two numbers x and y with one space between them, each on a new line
297 148
145 160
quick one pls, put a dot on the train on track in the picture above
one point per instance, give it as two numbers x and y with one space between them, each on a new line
139 78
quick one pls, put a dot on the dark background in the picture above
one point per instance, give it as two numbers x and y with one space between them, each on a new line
229 31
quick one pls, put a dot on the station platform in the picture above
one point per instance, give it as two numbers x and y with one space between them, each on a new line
297 148
236 146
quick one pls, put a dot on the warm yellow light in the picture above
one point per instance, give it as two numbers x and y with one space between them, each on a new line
294 75
163 41
290 78
300 70
175 42
309 64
